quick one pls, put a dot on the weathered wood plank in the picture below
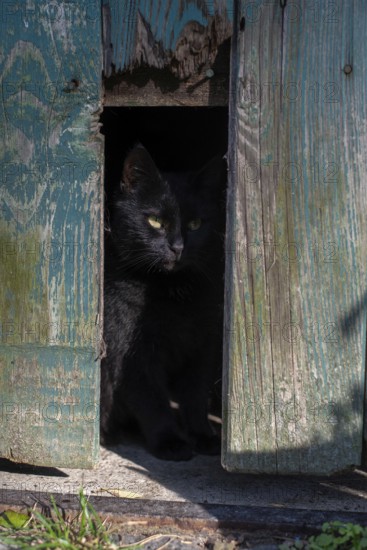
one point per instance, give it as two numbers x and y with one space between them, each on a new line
50 231
159 88
187 515
180 35
297 237
166 53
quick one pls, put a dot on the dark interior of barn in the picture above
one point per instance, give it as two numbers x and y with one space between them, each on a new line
178 138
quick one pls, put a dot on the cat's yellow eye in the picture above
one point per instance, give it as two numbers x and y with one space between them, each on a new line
193 225
155 222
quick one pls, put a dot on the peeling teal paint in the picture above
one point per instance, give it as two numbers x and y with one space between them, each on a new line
167 19
51 211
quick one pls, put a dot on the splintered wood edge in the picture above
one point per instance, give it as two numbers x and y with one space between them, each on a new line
183 515
198 91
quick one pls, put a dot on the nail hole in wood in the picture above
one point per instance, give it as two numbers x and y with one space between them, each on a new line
348 69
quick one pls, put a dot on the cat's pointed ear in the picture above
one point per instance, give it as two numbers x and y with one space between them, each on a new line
213 176
139 167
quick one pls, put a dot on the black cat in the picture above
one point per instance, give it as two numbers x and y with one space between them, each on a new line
163 305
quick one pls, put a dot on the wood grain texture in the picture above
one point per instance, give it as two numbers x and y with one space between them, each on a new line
296 269
185 515
159 88
50 232
184 40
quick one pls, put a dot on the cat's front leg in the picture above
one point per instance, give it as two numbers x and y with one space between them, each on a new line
146 397
192 393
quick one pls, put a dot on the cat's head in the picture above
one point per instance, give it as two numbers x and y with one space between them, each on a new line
167 222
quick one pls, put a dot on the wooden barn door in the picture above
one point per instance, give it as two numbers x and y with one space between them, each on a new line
296 293
50 231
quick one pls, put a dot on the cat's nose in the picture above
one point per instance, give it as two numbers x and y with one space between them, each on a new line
177 248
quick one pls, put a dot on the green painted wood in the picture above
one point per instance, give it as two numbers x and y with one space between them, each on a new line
166 52
296 271
50 231
164 33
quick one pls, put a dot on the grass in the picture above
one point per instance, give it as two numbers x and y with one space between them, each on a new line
84 531
38 531
334 536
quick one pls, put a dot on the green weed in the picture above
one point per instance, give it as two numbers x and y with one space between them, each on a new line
334 536
37 531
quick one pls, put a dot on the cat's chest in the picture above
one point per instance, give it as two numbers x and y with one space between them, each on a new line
170 325
171 318
171 313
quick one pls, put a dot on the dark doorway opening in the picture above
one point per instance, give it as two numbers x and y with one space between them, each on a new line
178 138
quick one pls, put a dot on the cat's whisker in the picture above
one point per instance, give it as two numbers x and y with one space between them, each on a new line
153 265
144 258
126 261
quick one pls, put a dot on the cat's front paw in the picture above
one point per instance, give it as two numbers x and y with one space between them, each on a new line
208 445
172 448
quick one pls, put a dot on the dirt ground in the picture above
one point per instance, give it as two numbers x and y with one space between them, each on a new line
137 491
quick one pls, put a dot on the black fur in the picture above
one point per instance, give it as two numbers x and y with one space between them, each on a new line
163 307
